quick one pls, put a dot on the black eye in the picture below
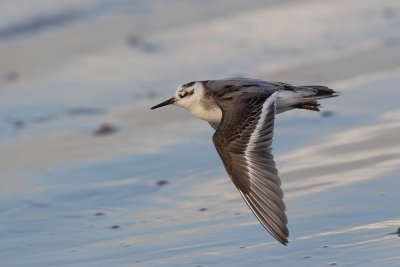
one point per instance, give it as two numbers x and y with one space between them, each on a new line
183 93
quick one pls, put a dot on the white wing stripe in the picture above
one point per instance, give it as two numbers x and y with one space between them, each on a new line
255 135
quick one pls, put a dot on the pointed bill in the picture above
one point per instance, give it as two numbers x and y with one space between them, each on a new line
165 103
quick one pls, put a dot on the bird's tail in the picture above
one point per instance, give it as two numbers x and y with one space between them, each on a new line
312 93
303 97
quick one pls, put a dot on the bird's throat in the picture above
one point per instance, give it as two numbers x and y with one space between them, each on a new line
211 114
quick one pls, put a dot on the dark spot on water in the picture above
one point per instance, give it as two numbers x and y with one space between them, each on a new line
138 261
242 247
202 209
325 246
74 251
162 182
11 76
99 214
105 129
327 113
75 111
134 40
388 12
38 23
333 264
307 257
115 227
17 124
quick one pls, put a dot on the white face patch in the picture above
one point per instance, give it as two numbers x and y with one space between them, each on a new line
190 96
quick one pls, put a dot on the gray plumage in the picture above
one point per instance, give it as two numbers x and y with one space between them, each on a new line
242 111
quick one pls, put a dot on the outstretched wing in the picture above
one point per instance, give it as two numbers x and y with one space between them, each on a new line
243 142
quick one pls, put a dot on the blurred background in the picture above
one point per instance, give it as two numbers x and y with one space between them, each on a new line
89 176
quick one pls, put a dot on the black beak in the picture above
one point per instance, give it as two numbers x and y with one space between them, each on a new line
165 103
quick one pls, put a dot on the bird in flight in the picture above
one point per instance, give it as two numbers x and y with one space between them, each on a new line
242 112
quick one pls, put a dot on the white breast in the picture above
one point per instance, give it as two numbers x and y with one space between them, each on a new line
210 114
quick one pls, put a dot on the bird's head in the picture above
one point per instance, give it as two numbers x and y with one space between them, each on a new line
186 95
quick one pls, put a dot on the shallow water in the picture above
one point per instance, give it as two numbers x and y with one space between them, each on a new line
154 192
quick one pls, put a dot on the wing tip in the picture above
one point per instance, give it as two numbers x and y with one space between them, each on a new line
283 241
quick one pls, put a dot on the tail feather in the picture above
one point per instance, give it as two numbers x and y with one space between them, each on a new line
320 92
303 97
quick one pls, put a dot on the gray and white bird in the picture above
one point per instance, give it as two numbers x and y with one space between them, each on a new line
242 112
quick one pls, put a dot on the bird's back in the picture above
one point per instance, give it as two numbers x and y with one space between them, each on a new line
239 87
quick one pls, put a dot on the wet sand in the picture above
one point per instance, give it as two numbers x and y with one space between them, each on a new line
152 191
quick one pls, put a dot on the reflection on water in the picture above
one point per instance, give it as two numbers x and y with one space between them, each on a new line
360 153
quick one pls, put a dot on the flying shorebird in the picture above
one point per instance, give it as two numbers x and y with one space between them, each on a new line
242 112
